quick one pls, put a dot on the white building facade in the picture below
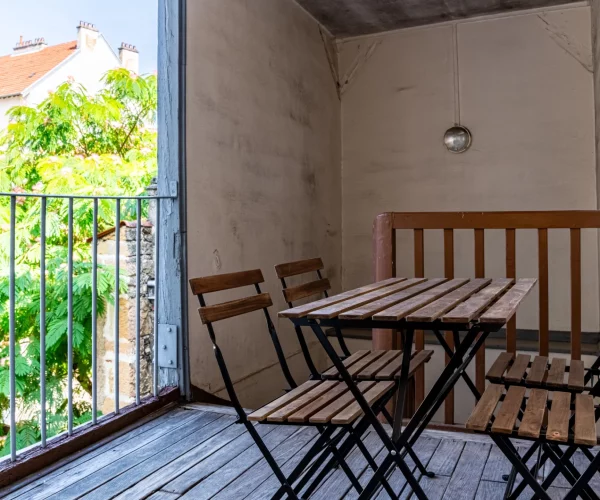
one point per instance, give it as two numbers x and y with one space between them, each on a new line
34 69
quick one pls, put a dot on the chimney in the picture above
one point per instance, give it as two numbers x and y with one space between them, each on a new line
28 46
129 57
87 36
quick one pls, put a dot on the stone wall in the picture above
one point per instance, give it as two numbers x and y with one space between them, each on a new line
127 319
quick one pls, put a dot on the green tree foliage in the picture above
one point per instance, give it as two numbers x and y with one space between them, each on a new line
77 144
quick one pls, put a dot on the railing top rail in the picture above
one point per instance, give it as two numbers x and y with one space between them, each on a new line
87 197
558 219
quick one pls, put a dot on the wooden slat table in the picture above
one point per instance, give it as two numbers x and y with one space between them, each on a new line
473 307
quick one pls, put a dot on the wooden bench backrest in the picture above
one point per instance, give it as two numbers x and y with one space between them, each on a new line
384 261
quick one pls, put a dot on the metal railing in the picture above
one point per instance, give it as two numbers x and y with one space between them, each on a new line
44 199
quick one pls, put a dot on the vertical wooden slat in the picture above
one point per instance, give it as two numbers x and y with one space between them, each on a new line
575 294
449 273
511 272
543 288
480 273
419 335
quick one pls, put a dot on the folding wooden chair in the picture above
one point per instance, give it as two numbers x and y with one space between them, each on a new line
550 374
363 364
550 419
326 405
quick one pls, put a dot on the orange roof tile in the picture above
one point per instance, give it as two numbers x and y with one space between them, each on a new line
19 72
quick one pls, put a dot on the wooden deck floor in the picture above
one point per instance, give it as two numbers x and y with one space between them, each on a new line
200 453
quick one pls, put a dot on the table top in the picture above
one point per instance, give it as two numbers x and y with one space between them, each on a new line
421 301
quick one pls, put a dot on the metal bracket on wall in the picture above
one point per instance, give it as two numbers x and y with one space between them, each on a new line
167 346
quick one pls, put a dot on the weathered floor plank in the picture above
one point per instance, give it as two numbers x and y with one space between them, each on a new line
216 461
261 471
465 478
243 461
198 454
147 431
122 473
446 457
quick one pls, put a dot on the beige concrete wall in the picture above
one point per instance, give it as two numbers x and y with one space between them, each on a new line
526 94
263 170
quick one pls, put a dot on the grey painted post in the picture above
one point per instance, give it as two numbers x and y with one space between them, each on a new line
170 303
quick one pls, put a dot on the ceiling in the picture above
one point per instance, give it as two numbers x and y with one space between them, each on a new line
345 18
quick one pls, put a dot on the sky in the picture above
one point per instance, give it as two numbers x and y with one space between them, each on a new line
130 21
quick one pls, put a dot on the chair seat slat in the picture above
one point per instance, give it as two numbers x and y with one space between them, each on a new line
516 373
576 378
499 366
365 362
326 414
538 370
321 402
480 417
353 411
332 373
371 370
531 425
558 417
418 359
509 410
556 373
262 413
293 406
585 421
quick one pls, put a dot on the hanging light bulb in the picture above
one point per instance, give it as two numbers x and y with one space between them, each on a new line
457 139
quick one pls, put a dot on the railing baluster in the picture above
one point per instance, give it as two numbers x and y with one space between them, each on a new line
575 293
95 314
138 272
449 273
70 320
511 272
117 285
544 339
43 321
156 292
479 237
419 250
12 322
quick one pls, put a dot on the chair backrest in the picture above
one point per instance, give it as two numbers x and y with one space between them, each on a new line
210 314
220 282
291 294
